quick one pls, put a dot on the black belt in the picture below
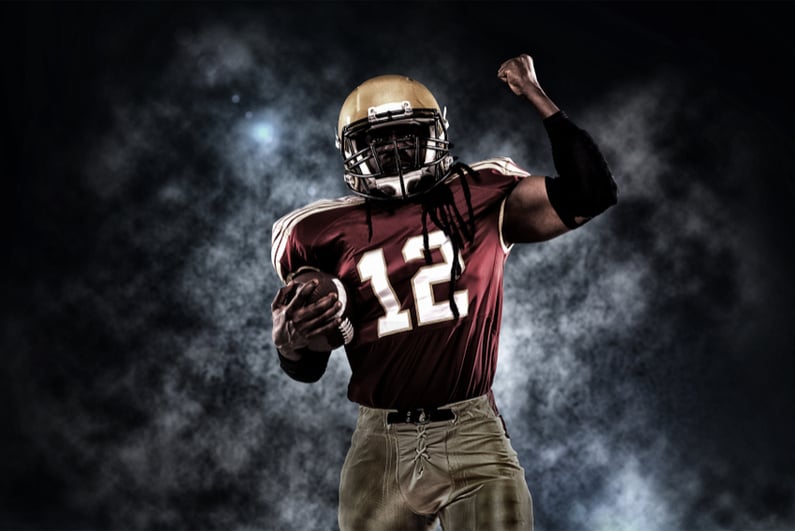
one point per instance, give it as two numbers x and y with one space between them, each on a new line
419 416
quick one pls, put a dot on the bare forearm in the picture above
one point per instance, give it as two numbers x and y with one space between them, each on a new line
542 103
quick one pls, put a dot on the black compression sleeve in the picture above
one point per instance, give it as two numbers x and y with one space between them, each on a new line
584 186
308 369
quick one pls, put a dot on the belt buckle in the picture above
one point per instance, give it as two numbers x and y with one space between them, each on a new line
418 416
414 416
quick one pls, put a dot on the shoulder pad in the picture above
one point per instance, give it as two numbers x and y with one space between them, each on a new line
285 225
503 165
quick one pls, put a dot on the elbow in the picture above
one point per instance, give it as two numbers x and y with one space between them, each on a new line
600 200
578 201
599 194
610 194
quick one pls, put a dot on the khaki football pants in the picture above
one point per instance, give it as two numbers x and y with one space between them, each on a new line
403 477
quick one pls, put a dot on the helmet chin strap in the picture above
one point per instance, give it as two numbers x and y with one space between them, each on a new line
397 187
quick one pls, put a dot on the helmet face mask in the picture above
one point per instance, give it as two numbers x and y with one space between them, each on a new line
395 150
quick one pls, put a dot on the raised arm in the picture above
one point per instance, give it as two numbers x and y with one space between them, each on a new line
540 208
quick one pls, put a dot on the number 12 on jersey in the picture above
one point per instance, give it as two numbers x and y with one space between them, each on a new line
372 267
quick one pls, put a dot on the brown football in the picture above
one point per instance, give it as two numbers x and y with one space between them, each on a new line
327 283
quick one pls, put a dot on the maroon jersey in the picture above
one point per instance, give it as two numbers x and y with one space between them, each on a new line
409 350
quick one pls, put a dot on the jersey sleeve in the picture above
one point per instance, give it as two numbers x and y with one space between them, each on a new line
506 174
285 251
289 252
300 240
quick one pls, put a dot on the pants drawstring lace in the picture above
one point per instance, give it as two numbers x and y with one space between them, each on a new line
421 454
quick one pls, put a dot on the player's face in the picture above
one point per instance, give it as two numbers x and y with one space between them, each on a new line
395 148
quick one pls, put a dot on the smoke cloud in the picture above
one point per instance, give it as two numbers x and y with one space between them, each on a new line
142 385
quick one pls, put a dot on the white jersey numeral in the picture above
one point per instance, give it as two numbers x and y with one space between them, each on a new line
372 267
428 310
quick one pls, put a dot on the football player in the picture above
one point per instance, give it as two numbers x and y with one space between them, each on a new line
420 245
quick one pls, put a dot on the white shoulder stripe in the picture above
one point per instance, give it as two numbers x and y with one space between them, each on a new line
504 165
506 248
285 225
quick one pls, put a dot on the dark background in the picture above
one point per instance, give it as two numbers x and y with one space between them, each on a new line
646 371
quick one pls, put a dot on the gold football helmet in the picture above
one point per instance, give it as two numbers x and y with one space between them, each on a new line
393 139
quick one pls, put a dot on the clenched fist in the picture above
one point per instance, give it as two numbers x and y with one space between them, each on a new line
520 75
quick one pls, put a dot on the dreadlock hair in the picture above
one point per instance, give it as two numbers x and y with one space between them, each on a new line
438 204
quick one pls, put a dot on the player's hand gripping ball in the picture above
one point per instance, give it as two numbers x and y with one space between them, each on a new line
343 334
